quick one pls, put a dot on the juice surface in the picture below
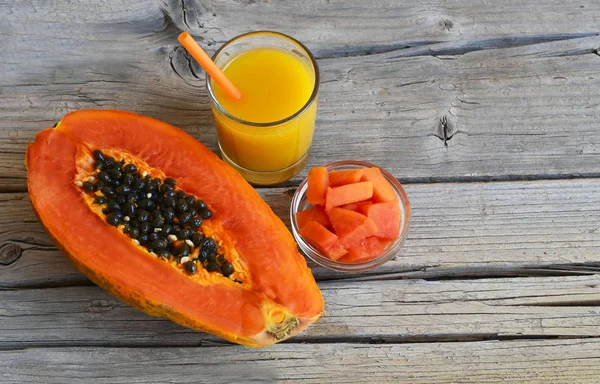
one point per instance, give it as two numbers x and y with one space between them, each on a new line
275 84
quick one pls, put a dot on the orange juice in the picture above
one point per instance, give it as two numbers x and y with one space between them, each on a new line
268 132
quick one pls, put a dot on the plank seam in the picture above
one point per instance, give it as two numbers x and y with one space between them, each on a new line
293 184
448 48
315 340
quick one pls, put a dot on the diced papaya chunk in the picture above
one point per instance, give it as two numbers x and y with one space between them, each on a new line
316 213
366 229
351 227
356 206
318 182
369 248
386 216
382 190
324 240
347 194
344 221
350 176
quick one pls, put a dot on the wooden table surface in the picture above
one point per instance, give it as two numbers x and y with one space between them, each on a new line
488 112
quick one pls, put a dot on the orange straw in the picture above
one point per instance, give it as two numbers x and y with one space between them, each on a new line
209 66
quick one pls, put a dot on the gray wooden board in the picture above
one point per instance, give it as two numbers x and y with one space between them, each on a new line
529 361
338 27
459 91
390 311
456 229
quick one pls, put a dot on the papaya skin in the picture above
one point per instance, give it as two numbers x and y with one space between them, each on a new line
280 297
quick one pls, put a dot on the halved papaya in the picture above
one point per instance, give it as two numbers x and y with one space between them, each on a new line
228 265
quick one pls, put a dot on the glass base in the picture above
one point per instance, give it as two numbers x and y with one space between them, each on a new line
267 178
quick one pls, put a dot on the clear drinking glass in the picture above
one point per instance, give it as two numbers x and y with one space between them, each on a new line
266 152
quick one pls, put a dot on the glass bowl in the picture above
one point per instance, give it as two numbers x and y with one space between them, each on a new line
300 202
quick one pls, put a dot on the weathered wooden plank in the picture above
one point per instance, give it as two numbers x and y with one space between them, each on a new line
392 311
348 27
517 112
531 361
355 27
503 228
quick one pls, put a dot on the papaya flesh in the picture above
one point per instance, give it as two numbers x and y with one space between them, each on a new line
271 294
318 182
316 213
316 234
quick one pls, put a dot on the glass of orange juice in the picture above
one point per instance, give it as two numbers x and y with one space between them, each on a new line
266 135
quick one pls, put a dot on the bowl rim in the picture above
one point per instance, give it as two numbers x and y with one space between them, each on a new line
316 256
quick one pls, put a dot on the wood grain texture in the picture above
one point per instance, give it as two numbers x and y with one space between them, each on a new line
457 229
532 361
430 92
355 27
380 311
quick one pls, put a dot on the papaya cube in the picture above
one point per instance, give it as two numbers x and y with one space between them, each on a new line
346 194
386 216
318 182
350 176
316 213
369 248
351 227
324 240
356 206
382 190
367 229
344 220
